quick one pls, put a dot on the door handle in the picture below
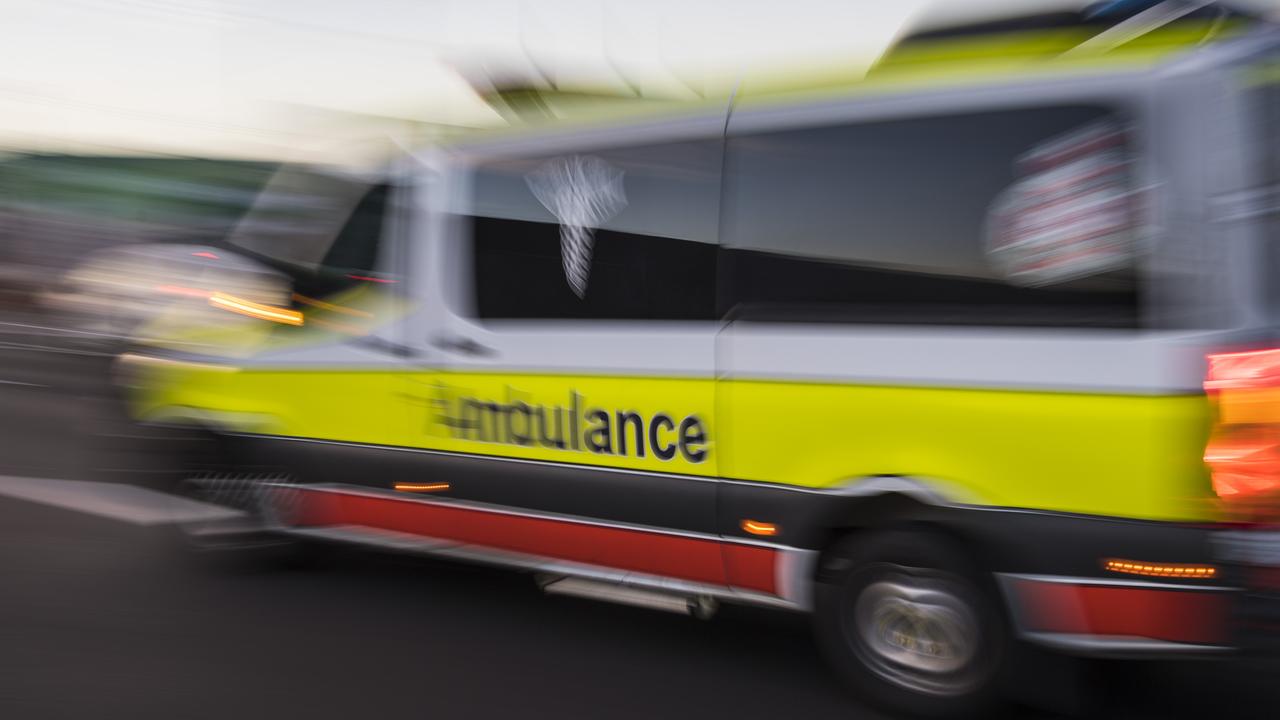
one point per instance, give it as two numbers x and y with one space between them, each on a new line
463 345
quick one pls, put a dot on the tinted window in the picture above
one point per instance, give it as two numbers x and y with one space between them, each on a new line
622 233
325 232
1023 217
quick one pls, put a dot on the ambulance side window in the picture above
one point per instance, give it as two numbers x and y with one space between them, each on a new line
623 233
1014 217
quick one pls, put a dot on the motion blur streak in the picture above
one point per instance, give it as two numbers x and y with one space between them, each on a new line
256 310
182 291
331 307
935 341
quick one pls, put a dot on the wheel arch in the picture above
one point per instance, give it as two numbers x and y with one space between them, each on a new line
881 502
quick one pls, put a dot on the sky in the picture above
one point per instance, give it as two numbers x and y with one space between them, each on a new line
329 80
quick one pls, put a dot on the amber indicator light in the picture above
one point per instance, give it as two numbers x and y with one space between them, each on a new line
421 487
755 527
1165 570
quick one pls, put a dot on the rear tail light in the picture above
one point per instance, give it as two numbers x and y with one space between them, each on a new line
1243 453
1250 370
1245 462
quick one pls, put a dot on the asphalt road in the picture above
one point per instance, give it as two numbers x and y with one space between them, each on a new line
100 618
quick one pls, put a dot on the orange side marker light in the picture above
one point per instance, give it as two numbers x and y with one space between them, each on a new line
755 527
1166 570
422 487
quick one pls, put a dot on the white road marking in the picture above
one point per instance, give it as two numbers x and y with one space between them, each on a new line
19 382
126 503
48 348
57 331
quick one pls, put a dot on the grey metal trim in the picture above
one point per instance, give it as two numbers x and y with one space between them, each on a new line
404 542
1108 582
590 589
1120 646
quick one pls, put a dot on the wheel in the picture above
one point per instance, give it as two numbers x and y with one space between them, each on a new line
904 619
227 511
227 516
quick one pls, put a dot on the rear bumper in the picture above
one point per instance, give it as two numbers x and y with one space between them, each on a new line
1251 559
1237 611
1121 618
1256 622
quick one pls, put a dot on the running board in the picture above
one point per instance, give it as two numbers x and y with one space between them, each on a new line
699 606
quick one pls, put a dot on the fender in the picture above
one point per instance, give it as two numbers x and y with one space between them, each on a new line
807 517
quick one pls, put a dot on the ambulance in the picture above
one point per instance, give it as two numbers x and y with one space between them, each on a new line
973 358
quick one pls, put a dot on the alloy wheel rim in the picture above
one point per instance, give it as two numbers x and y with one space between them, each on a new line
912 628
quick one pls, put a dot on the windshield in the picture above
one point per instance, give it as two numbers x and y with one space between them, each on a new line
324 230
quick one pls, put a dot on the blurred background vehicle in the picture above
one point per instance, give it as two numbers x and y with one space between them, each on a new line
279 230
109 298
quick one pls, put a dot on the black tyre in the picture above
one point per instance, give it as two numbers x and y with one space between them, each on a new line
226 515
904 618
